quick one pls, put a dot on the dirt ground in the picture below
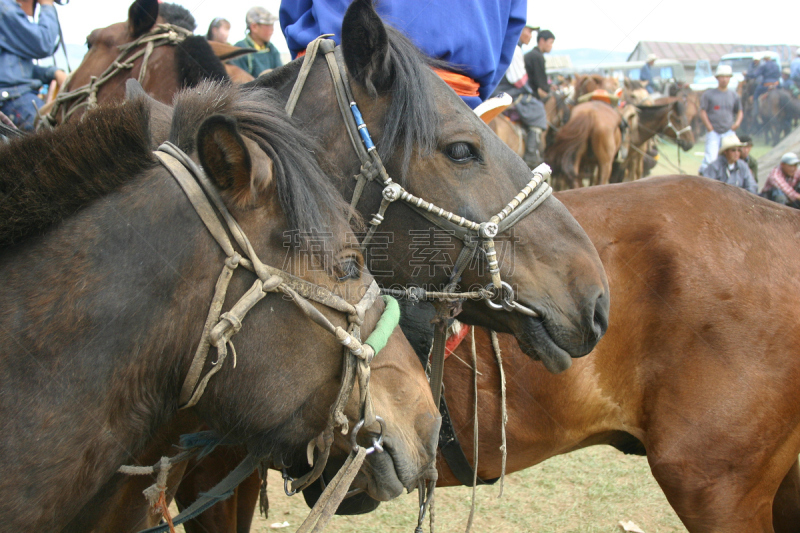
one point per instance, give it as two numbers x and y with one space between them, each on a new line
588 491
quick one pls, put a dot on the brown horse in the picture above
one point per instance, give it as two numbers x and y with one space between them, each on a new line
776 111
587 83
177 60
667 117
108 277
588 143
513 134
699 368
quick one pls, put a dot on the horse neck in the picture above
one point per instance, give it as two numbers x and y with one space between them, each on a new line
651 125
104 307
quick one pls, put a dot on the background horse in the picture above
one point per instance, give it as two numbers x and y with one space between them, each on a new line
588 143
777 110
699 368
108 275
667 116
182 60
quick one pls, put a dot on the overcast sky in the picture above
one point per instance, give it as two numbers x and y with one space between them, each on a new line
616 25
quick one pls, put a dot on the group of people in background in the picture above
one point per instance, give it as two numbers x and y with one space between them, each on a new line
260 27
727 157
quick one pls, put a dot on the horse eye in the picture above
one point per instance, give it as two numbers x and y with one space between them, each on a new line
460 152
347 268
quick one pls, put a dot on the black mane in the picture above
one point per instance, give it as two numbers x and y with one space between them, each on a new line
177 15
309 200
411 121
196 62
48 176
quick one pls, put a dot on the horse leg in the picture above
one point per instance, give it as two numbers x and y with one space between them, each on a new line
605 147
786 506
577 179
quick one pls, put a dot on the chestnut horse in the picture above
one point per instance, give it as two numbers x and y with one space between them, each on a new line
589 142
513 135
108 275
699 368
178 60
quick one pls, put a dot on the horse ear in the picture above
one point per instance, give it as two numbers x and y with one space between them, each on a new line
160 113
365 45
142 16
226 157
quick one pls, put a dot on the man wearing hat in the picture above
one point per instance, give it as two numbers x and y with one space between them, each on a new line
721 112
770 75
260 26
728 168
781 182
646 75
532 114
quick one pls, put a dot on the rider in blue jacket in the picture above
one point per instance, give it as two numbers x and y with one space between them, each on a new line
438 28
22 41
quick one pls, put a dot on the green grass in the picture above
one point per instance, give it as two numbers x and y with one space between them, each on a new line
588 491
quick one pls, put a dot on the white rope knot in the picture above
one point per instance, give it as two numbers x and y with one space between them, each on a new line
233 261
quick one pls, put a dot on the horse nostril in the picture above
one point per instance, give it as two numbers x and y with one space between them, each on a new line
600 316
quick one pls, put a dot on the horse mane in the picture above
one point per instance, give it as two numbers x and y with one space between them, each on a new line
177 15
50 175
311 204
196 61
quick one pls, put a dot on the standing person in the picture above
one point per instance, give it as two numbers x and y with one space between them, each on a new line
747 145
781 182
729 168
535 64
260 27
218 30
721 113
531 110
482 54
646 74
22 41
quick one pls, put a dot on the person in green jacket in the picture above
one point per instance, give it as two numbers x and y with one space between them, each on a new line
260 26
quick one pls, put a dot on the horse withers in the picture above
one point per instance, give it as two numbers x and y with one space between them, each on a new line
109 275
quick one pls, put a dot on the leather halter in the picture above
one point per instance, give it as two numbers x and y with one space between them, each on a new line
86 95
220 328
529 198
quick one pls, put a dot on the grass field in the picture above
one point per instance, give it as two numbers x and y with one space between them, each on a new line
588 491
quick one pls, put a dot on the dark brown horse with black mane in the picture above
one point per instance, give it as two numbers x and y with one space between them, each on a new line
108 276
176 60
436 147
699 369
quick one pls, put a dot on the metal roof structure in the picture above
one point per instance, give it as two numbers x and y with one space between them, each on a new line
689 53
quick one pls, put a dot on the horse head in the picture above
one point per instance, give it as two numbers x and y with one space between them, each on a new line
267 178
434 146
155 45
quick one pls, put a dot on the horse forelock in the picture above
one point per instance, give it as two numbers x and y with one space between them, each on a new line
310 202
50 175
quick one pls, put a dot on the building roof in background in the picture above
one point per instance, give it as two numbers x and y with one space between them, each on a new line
689 53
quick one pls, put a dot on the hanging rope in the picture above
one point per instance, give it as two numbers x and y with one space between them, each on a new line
474 432
503 409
